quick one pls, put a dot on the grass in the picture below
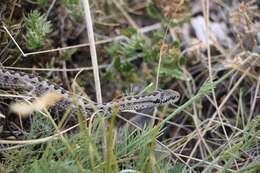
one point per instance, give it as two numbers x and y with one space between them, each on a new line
88 150
37 28
213 128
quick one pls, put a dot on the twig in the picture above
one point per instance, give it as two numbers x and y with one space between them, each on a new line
40 140
254 101
108 40
205 4
50 8
53 69
13 39
162 51
93 53
126 15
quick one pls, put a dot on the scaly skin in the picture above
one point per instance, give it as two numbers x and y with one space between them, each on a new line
36 86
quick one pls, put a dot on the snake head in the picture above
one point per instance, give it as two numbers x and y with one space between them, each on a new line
169 96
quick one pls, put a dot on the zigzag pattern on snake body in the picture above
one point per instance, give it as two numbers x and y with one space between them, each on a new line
36 86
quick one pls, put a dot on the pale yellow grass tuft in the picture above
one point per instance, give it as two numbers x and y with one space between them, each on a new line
39 104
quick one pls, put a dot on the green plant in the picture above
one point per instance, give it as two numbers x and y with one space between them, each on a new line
172 61
156 13
124 53
74 8
136 46
42 2
37 27
134 150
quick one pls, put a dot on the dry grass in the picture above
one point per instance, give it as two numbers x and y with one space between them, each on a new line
213 128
